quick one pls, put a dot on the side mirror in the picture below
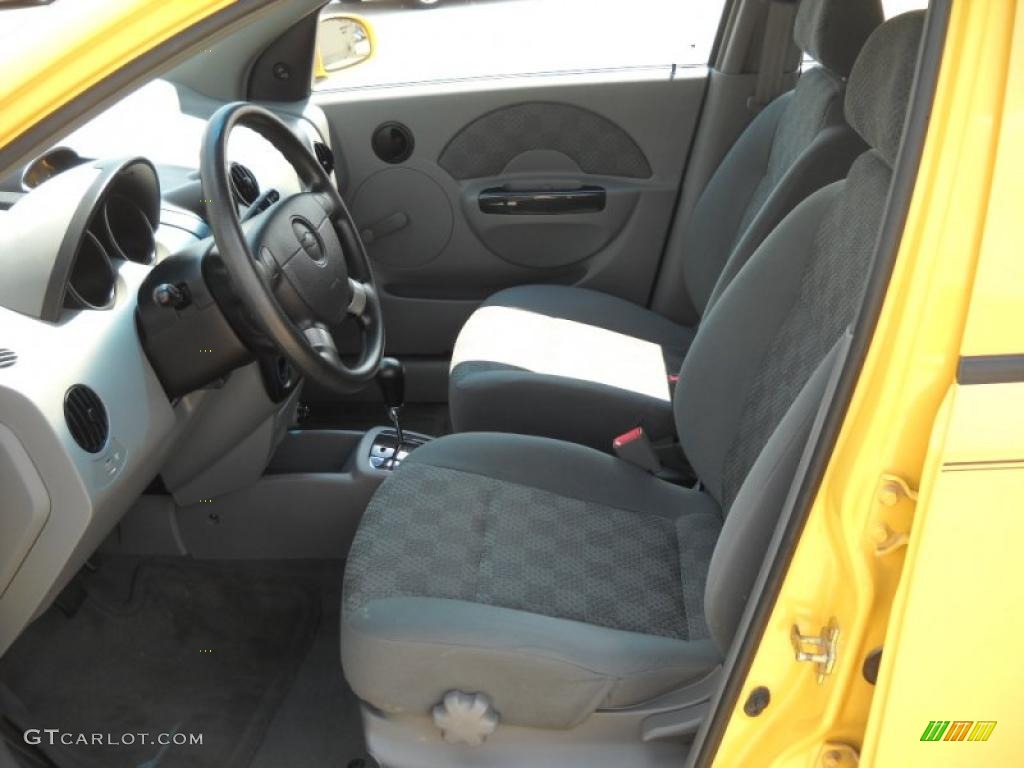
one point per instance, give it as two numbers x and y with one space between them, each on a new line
342 42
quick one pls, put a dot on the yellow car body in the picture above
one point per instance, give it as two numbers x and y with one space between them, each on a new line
943 605
913 542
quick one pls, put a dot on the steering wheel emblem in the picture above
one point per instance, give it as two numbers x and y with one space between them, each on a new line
309 239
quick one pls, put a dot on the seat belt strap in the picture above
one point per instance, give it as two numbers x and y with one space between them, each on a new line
778 30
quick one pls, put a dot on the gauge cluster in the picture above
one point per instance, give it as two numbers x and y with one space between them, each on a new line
63 241
120 229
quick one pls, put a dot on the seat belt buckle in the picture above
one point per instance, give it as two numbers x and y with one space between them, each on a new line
636 448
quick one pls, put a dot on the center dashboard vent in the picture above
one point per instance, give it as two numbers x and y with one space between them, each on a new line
324 156
86 418
244 184
8 357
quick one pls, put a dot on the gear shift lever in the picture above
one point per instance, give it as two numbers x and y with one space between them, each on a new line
391 380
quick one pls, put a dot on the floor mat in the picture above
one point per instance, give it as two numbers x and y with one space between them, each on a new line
177 646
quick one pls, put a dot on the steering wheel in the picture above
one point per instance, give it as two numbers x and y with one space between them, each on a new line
300 268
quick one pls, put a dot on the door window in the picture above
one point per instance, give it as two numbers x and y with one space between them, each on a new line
896 7
390 42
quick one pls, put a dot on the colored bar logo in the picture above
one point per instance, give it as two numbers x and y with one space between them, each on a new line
958 730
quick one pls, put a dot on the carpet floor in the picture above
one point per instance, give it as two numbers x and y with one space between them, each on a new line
244 654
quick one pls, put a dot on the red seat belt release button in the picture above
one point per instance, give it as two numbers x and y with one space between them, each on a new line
635 447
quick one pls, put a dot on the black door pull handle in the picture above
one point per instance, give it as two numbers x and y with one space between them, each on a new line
542 202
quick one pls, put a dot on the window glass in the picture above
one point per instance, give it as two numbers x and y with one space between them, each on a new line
896 7
452 40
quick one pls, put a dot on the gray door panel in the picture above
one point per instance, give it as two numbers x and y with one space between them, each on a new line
437 253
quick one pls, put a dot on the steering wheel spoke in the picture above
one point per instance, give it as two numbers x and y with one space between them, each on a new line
321 340
331 204
363 295
267 269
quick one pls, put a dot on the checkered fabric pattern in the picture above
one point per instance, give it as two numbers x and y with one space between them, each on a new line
831 293
597 145
697 535
443 533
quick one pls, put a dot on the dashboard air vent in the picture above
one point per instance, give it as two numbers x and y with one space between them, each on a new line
86 418
244 184
7 358
324 155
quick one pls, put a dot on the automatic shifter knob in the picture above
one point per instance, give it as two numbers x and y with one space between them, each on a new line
391 379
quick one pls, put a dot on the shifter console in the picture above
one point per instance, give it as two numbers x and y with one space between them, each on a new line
383 453
390 448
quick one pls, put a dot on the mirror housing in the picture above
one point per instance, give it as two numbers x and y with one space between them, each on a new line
343 41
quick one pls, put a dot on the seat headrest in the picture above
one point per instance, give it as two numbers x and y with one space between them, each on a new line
832 32
878 93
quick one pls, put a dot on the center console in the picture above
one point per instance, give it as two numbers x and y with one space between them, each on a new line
387 451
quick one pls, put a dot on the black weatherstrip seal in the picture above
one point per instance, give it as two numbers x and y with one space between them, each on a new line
748 636
990 369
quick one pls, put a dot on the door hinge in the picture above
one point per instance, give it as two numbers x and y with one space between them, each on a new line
897 499
820 650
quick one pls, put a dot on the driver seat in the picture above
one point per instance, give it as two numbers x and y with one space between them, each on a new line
503 588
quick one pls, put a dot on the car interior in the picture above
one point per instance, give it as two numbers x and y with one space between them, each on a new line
425 425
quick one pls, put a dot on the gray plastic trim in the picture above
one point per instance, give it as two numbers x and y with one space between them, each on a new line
44 230
229 435
26 505
35 266
307 505
651 735
88 492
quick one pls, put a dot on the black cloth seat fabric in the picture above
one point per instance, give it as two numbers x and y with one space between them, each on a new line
522 362
558 580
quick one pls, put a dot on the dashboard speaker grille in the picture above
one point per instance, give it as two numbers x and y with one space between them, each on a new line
244 184
7 358
86 418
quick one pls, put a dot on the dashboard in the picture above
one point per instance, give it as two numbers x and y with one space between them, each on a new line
87 422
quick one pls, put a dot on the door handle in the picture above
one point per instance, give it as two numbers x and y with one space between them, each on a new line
542 202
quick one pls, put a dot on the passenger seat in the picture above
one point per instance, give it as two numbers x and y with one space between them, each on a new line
583 366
